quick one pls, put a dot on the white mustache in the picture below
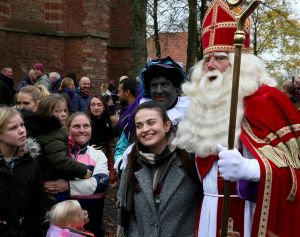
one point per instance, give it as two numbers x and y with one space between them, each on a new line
214 73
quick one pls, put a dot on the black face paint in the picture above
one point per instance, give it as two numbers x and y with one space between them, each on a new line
163 91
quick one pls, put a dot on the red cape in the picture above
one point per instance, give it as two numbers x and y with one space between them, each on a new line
271 132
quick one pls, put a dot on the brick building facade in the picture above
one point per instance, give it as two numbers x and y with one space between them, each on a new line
91 38
171 44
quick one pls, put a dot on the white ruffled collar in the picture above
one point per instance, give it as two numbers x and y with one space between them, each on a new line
176 114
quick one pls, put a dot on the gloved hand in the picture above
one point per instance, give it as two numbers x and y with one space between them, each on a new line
234 167
118 164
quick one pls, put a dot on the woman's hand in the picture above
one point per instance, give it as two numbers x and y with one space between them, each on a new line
56 186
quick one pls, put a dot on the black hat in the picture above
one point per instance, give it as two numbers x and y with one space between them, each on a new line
165 67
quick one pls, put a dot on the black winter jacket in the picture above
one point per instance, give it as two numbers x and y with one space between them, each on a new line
102 131
6 90
22 197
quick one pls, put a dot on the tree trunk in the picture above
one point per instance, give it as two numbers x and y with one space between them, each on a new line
192 34
156 30
139 35
203 9
254 41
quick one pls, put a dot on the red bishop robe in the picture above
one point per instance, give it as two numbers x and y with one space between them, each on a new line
271 132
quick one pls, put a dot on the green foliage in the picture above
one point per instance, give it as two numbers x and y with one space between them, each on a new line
275 31
276 37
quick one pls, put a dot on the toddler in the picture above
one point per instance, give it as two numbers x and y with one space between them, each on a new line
67 219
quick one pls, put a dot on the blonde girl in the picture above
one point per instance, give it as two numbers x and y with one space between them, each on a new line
22 208
67 218
29 96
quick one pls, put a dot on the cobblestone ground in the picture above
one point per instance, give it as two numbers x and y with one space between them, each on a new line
110 213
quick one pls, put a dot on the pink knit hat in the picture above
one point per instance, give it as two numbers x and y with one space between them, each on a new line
39 66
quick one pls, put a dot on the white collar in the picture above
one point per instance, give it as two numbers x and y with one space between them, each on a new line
177 112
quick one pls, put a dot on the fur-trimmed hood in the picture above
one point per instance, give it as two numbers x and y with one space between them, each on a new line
31 146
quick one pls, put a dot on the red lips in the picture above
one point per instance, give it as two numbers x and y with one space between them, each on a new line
160 98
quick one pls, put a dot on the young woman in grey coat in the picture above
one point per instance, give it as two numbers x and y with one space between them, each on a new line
159 193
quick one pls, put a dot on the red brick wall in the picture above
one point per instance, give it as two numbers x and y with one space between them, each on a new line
20 51
67 35
4 11
120 42
172 44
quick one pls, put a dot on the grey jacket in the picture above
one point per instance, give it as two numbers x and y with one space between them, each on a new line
43 80
177 213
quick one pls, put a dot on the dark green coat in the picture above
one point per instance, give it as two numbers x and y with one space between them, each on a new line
54 160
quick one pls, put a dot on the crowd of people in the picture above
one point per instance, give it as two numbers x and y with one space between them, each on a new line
62 146
68 134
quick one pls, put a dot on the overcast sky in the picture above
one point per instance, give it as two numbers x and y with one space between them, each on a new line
296 7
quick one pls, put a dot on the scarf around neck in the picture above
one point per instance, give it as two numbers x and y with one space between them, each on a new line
160 165
152 159
76 149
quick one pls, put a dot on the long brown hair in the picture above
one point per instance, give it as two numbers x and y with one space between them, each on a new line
133 164
187 160
105 113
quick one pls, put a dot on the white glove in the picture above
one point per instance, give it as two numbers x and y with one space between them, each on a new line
121 162
234 167
118 164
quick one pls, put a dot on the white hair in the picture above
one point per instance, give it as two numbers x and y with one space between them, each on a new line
206 121
55 75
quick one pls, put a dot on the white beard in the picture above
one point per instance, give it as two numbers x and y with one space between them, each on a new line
206 122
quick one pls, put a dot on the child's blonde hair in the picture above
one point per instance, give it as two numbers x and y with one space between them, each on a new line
63 213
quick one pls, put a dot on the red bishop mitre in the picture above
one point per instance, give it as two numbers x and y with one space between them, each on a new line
219 26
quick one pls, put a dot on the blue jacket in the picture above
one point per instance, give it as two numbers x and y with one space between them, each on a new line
25 81
80 101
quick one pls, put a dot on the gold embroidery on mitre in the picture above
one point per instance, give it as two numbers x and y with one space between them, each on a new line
234 14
